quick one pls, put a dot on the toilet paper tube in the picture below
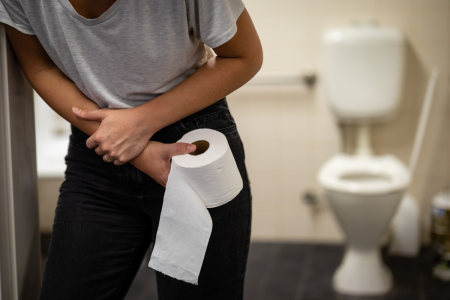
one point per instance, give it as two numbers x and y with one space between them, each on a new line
196 182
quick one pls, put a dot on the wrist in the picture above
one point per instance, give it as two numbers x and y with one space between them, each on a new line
157 113
138 160
142 158
147 120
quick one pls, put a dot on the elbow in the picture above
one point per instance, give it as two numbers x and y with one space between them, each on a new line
256 62
260 60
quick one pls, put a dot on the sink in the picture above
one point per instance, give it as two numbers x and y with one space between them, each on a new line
52 140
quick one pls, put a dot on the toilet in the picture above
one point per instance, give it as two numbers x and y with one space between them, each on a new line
363 76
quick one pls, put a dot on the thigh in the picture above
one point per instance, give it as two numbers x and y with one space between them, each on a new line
223 269
99 235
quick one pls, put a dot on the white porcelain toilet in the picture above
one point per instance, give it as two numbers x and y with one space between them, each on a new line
363 71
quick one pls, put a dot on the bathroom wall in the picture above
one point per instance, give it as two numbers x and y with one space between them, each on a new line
289 131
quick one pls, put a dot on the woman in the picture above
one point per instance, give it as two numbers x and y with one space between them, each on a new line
132 78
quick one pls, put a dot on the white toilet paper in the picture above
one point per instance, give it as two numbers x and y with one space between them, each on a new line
208 180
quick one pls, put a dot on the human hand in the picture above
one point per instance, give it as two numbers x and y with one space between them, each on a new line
122 134
155 159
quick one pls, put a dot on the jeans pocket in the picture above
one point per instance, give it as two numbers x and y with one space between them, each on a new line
216 116
219 120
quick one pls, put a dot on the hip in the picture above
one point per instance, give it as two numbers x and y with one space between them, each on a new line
217 116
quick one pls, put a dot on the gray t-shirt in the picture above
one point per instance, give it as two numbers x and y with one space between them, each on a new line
135 51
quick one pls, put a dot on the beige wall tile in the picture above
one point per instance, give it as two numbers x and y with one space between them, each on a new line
266 226
267 194
432 5
432 28
298 129
362 9
48 189
390 5
295 227
399 17
324 227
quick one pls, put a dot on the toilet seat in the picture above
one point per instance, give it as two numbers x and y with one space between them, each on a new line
364 175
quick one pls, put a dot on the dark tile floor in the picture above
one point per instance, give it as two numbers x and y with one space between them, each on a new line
283 271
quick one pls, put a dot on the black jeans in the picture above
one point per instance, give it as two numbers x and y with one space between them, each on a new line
107 217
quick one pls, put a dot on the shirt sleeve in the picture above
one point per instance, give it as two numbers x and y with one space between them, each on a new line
12 13
214 21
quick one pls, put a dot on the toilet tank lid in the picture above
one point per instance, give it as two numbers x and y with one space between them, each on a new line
362 36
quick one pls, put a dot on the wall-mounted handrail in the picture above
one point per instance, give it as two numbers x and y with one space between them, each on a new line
307 77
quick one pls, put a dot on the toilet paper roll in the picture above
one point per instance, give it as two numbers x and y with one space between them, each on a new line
206 179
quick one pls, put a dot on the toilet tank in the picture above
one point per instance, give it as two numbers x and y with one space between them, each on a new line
363 72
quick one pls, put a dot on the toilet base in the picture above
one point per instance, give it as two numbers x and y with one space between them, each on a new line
362 273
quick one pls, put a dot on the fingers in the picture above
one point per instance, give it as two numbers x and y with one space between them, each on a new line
99 150
180 148
107 159
119 163
91 143
95 140
116 152
89 114
111 156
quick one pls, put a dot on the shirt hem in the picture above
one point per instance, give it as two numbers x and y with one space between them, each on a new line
227 35
7 20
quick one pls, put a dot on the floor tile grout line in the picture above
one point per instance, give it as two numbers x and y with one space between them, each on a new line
300 293
420 287
269 271
421 291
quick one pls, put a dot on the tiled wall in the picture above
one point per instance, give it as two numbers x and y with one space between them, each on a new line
288 132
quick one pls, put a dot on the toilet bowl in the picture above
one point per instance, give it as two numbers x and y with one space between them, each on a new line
363 192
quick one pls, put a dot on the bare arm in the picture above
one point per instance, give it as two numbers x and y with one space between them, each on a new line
237 62
61 94
58 91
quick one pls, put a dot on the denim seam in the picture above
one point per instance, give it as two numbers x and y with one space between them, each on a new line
243 153
141 202
213 116
139 175
228 129
210 116
247 248
129 263
183 128
141 198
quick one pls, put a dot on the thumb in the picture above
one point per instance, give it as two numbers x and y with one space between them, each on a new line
181 148
89 114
